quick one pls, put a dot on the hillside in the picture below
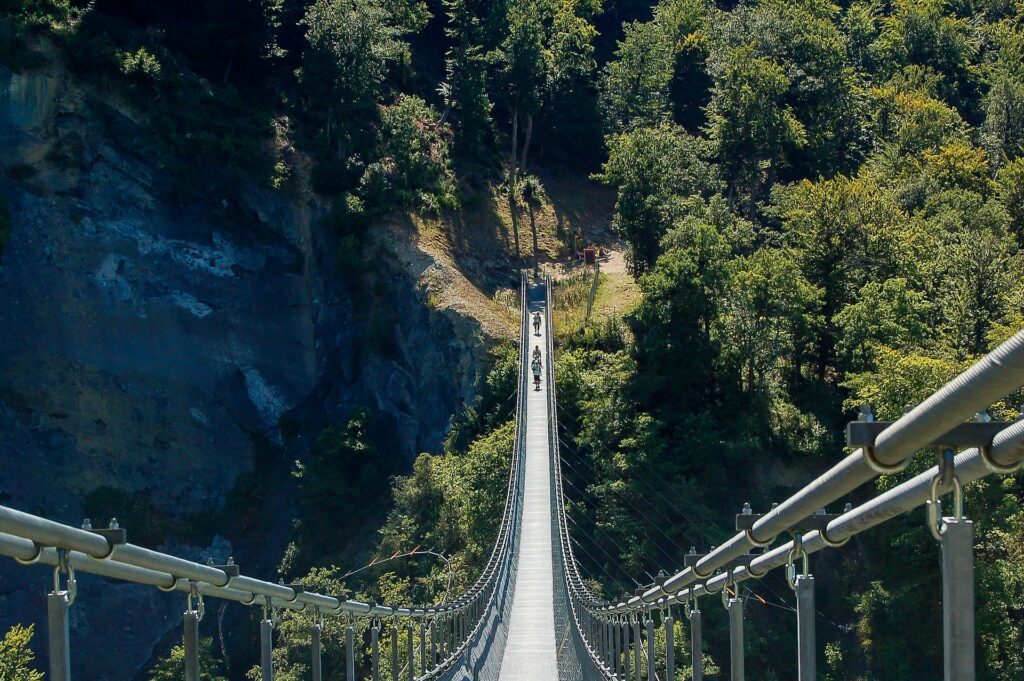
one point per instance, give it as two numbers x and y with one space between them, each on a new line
258 262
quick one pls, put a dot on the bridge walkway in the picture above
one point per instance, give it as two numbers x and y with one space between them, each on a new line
530 648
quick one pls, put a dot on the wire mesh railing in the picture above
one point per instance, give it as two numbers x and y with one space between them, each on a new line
447 636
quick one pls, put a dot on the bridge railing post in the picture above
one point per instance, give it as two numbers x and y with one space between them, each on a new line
316 660
735 608
350 651
696 644
670 652
624 648
375 650
423 647
636 646
267 649
410 649
190 640
652 675
58 605
807 660
958 599
190 632
613 645
58 633
394 650
625 628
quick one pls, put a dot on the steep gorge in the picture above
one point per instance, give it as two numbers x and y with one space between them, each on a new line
183 350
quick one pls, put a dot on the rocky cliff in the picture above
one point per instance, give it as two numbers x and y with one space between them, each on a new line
170 347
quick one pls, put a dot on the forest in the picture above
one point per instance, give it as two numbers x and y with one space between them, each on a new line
822 204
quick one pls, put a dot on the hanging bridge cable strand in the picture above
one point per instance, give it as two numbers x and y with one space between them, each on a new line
602 549
615 543
591 467
650 488
654 524
648 482
611 578
784 606
596 503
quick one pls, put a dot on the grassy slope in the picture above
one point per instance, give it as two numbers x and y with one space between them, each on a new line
464 261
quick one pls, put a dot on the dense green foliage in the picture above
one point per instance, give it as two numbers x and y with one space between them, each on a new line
172 667
823 205
16 657
819 218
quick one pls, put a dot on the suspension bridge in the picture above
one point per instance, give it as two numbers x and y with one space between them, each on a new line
530 615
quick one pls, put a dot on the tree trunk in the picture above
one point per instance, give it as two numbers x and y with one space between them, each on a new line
330 117
526 142
754 181
512 179
227 70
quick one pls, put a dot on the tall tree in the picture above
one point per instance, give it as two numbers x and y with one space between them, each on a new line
351 46
654 169
521 62
753 129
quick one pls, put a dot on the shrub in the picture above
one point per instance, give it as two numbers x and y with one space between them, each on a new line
16 656
415 169
141 67
172 667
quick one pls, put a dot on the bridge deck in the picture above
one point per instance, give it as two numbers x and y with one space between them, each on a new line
530 648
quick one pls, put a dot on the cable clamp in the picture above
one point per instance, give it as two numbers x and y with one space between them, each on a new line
35 557
797 553
945 476
871 459
195 600
729 582
64 567
996 467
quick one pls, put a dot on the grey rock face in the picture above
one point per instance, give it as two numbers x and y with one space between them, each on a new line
155 346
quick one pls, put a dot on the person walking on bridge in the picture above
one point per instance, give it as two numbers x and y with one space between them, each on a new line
535 365
536 323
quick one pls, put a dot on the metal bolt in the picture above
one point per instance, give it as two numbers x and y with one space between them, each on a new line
113 524
865 413
982 417
693 551
848 507
775 505
746 508
820 511
231 560
907 408
87 525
